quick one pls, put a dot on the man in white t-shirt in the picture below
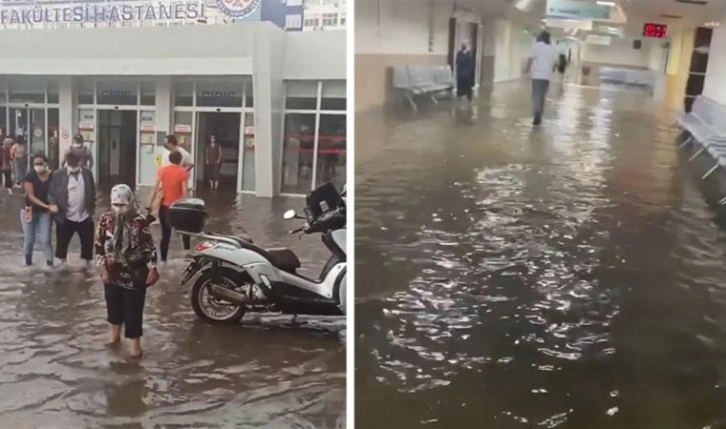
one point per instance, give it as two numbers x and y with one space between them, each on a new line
541 65
172 145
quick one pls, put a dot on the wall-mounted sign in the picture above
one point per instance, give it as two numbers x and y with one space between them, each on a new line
573 9
86 119
657 31
220 94
182 128
148 121
30 12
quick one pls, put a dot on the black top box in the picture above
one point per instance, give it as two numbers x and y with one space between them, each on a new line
323 199
189 214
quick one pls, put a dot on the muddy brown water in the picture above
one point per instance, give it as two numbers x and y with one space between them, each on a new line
268 372
571 276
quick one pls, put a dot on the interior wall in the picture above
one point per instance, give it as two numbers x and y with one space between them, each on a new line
512 47
620 52
389 34
715 85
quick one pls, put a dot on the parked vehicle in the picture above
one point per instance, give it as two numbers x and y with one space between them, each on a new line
237 276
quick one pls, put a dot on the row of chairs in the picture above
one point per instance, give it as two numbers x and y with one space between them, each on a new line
706 126
415 81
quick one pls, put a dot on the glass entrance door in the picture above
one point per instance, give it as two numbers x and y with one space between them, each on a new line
27 126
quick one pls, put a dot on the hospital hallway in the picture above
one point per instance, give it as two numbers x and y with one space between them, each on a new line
508 276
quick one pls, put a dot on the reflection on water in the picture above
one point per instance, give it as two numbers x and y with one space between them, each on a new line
563 277
56 372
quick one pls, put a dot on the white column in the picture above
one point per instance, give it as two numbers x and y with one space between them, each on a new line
268 66
162 118
67 113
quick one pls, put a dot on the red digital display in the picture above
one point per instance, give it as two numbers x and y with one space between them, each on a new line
658 31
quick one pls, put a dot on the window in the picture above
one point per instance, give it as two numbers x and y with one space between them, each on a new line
301 95
27 91
148 94
53 92
85 92
249 93
120 93
331 150
183 94
330 19
312 22
293 21
333 95
248 165
314 155
297 157
215 93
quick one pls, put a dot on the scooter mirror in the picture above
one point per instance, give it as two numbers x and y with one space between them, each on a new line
290 214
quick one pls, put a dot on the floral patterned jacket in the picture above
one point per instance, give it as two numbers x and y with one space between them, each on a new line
141 248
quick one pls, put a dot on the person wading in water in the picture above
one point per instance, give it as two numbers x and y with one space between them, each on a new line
126 256
541 66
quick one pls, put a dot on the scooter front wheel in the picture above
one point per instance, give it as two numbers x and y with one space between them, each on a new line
210 308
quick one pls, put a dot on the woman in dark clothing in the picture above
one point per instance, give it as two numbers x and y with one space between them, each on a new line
465 69
213 162
6 164
35 217
127 259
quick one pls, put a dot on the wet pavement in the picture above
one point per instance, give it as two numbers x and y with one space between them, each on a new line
570 276
55 371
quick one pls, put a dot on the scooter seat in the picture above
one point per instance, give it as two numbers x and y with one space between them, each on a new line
284 259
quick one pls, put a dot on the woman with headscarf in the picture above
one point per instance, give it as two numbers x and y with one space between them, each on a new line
127 260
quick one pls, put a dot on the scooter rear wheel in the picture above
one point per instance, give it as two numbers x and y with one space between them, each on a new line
205 305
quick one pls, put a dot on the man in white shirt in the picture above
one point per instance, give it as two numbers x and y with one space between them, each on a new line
72 190
541 65
172 145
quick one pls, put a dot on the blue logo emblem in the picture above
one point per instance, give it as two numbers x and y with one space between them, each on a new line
237 8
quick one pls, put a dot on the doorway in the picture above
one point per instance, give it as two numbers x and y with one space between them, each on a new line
28 124
117 143
225 126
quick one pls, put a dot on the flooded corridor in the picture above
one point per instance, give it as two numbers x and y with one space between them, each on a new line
56 372
570 276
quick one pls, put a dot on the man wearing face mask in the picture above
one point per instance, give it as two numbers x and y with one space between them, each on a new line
73 190
83 153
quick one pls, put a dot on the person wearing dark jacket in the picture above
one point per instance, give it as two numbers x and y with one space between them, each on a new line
73 190
465 70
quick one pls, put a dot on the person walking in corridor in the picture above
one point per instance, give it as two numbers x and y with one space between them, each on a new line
73 190
6 164
465 70
35 217
213 162
541 66
126 256
172 182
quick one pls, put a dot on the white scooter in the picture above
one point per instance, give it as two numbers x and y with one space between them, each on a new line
237 276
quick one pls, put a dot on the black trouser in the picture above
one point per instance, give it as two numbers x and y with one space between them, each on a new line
64 233
8 178
126 307
166 233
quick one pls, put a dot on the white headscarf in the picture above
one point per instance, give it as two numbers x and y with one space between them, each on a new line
122 194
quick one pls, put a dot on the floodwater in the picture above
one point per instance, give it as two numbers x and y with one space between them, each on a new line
55 371
571 276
